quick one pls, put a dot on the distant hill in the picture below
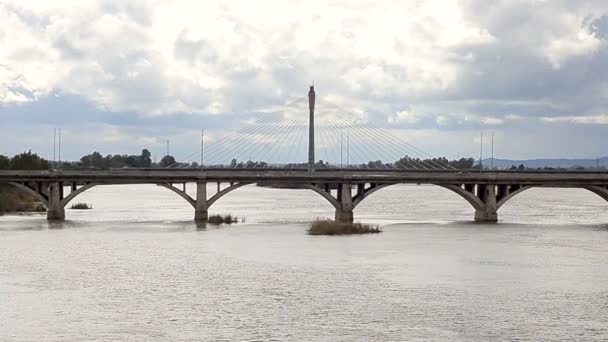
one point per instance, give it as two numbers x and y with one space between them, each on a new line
540 163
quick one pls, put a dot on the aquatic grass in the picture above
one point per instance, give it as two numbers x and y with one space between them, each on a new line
330 227
222 219
81 206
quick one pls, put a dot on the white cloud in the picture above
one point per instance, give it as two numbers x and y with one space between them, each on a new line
513 117
403 116
579 43
601 119
491 121
420 64
163 56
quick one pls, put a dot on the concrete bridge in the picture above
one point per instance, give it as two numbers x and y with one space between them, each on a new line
344 189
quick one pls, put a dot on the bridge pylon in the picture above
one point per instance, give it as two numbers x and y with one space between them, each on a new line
311 128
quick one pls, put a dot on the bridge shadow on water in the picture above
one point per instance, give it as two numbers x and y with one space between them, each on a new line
37 222
17 223
498 226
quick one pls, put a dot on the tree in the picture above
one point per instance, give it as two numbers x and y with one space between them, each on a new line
167 161
133 161
86 161
375 164
28 161
145 159
117 161
463 163
4 162
97 160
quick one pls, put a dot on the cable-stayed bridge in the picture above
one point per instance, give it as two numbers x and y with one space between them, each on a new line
286 147
311 133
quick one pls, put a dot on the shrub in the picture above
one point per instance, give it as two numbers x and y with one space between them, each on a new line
329 227
81 206
225 219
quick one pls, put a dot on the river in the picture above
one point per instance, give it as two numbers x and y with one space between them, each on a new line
136 268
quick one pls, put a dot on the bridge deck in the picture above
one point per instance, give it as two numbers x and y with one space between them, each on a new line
552 178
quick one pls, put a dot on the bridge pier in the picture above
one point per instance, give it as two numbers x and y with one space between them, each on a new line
201 210
344 212
489 210
345 216
55 210
486 216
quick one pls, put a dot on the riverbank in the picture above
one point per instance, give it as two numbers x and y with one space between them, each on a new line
13 200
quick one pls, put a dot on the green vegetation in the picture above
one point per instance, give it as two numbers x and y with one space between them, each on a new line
97 161
167 161
404 163
225 219
329 227
81 206
23 161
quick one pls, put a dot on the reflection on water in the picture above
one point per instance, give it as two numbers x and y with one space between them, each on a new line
137 268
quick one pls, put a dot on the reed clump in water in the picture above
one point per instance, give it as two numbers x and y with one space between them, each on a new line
329 227
222 219
81 206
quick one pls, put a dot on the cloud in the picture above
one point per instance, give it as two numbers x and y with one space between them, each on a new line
490 121
153 57
403 116
432 65
584 120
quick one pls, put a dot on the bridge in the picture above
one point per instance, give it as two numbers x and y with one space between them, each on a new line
486 192
343 183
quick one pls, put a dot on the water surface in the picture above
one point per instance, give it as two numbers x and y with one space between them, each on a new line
137 268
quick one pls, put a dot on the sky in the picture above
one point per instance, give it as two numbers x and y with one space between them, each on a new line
118 76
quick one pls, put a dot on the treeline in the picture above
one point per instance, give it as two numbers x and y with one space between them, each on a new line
97 161
32 161
403 163
522 167
461 164
24 161
144 160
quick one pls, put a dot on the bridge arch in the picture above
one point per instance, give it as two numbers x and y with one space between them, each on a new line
505 199
601 191
75 193
224 192
192 201
64 202
365 193
181 193
468 196
326 195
